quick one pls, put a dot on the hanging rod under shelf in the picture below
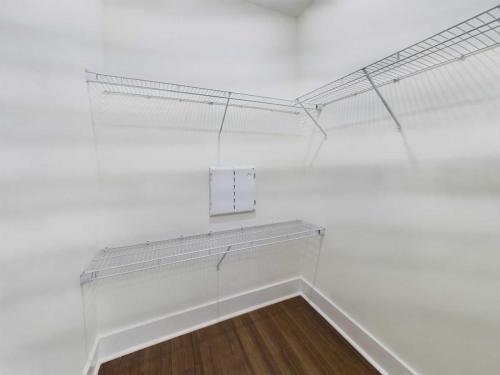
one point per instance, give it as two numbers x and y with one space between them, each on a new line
112 262
209 102
475 35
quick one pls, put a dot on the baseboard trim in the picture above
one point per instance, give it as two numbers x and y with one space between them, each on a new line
131 339
375 352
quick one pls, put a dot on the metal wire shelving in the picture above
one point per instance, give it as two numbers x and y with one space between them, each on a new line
118 85
112 85
472 36
113 262
475 35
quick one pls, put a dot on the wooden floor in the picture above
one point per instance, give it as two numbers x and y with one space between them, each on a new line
289 337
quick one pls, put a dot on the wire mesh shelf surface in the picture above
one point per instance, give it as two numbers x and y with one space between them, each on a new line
472 36
111 262
117 85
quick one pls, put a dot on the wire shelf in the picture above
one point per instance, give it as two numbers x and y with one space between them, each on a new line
472 36
117 85
112 262
467 38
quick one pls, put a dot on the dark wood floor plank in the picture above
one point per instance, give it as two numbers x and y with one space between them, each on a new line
220 352
313 356
299 343
183 359
285 358
289 337
325 339
260 358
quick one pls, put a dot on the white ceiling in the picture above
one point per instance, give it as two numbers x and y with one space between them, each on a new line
289 7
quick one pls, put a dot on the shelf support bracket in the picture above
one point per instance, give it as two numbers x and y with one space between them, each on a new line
86 277
312 118
409 152
225 112
221 259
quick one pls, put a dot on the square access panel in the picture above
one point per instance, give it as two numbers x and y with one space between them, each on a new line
232 190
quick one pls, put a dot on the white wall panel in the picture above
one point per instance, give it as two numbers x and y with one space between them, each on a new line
410 254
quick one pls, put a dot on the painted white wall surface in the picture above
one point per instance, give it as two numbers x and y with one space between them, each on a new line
154 155
47 182
412 255
224 44
139 171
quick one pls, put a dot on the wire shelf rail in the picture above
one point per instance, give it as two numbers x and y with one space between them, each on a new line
112 262
475 35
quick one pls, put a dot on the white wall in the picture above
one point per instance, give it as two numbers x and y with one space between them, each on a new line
225 44
47 182
67 191
154 154
221 44
410 254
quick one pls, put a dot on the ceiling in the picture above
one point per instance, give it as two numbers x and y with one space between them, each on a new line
289 7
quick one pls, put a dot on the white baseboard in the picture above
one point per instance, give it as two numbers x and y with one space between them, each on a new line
380 357
131 339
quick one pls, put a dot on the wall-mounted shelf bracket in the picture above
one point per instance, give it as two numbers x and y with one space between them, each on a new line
409 152
90 76
312 118
225 112
223 256
86 277
382 99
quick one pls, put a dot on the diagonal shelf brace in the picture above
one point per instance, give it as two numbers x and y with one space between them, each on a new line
225 112
223 256
313 119
409 152
382 99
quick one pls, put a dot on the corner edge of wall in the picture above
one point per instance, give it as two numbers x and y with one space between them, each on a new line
379 356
